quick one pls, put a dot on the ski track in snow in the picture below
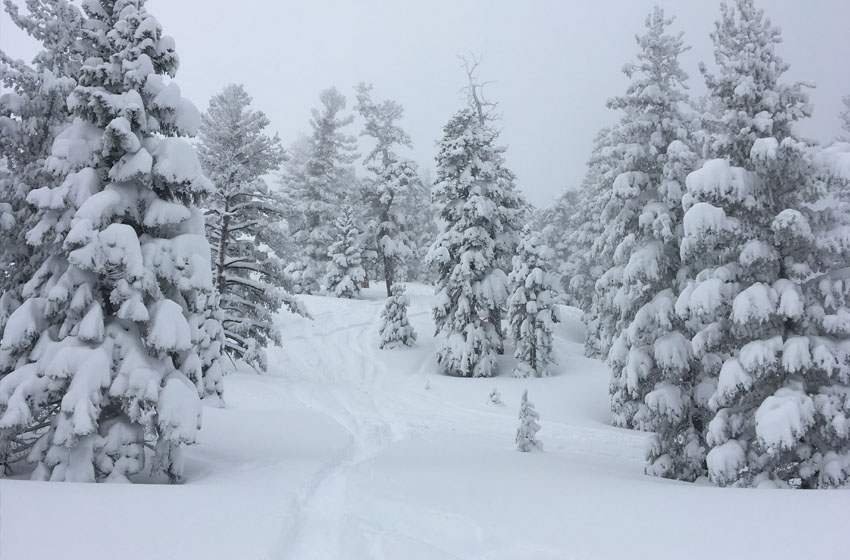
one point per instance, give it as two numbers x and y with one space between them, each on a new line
322 515
346 451
338 372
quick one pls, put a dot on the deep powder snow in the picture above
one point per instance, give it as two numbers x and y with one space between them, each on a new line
345 451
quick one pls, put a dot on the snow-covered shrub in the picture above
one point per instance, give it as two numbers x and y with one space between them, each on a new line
395 327
526 434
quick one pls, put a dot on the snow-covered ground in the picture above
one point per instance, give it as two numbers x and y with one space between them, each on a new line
348 452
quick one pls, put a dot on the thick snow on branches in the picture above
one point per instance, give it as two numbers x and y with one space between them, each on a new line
116 335
474 193
532 309
344 270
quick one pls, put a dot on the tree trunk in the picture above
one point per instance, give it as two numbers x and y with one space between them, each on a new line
389 265
222 249
389 274
496 321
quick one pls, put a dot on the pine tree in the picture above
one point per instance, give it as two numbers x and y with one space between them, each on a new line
766 260
643 219
394 177
318 179
556 223
100 359
32 113
242 217
526 434
471 287
420 214
674 406
480 211
344 271
532 308
828 243
587 261
395 327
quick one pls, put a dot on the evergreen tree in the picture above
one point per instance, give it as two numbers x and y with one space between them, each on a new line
477 210
481 212
32 113
395 327
344 271
318 178
556 224
766 295
587 261
242 214
420 211
526 434
100 359
643 219
532 307
674 405
394 177
495 398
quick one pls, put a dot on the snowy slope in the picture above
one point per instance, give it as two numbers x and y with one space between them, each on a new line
348 452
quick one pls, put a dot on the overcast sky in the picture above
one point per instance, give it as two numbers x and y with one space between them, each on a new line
554 63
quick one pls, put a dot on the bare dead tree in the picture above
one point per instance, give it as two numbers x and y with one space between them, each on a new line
474 91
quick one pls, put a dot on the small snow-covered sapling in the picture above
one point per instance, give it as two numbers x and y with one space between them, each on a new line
528 427
495 398
395 327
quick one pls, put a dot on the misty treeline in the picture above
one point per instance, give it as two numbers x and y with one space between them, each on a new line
146 249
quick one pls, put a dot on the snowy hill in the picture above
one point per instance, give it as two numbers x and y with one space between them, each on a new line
344 451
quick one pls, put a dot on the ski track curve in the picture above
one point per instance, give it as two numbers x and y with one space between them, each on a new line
338 377
337 370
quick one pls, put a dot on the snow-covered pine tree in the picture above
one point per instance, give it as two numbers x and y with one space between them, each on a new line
674 405
344 270
470 286
480 211
394 177
318 178
100 360
830 236
420 211
532 306
292 174
768 273
242 215
526 434
556 223
586 262
32 113
396 329
643 219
